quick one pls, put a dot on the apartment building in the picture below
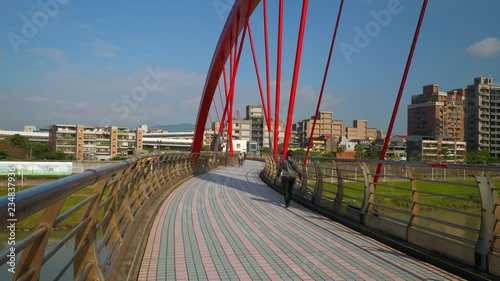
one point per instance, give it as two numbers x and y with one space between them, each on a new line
94 143
431 149
482 116
255 113
326 128
437 114
396 149
253 128
360 131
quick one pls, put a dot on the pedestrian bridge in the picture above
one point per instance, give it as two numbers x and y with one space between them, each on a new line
201 217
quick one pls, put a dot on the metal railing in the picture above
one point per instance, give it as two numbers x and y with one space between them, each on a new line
108 203
451 210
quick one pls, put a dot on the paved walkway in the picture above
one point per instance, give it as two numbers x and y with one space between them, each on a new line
228 225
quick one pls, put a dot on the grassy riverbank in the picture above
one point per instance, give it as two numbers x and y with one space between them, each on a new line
455 194
71 221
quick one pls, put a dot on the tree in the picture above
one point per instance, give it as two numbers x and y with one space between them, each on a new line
14 152
301 152
478 157
360 151
340 148
444 154
19 141
328 154
264 150
371 155
4 154
393 157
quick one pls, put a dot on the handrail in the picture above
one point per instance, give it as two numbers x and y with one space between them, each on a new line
397 206
116 198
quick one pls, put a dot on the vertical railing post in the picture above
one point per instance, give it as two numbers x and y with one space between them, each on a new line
87 238
318 187
339 197
486 231
369 193
32 257
415 199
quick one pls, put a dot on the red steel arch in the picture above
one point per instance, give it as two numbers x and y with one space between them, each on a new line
236 21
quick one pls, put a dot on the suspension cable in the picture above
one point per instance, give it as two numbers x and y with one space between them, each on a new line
400 93
258 77
324 79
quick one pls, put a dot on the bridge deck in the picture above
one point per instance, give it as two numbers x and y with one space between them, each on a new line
228 225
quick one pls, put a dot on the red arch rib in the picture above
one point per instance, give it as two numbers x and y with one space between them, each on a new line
243 8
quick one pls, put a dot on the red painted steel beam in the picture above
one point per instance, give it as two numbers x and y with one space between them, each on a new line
278 79
268 72
401 89
231 98
231 90
295 78
244 8
258 78
216 113
223 119
324 79
220 95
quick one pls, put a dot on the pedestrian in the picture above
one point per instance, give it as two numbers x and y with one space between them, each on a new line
288 171
240 160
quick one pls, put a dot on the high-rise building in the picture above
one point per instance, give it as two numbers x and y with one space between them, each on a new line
482 116
253 128
94 143
437 114
255 113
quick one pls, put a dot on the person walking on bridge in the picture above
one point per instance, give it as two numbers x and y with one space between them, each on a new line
288 171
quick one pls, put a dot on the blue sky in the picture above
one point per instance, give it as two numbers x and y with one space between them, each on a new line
80 63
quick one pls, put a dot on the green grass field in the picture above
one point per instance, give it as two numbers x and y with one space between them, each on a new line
71 201
453 194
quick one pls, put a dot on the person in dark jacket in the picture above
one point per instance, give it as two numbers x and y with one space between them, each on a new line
288 171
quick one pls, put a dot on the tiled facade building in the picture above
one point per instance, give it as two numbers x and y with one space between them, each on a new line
360 131
437 114
483 116
253 128
326 128
94 143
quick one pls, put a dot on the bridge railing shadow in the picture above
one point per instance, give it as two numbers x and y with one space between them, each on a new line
109 202
450 210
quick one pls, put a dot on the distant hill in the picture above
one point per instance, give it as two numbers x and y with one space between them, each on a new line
175 128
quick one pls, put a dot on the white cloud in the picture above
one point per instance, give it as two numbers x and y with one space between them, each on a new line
485 48
53 54
103 49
